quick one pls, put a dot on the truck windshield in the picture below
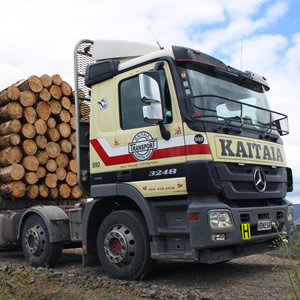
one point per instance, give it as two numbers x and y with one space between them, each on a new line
216 96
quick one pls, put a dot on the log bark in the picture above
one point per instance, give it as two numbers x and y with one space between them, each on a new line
11 111
76 192
33 83
13 126
71 179
66 146
51 165
28 131
51 123
64 129
53 134
66 102
43 110
45 95
9 156
42 157
40 126
10 173
32 191
10 94
61 173
64 191
43 191
27 98
29 147
66 88
31 178
12 190
55 107
46 80
55 92
51 180
41 172
62 160
30 163
41 141
53 149
9 140
56 79
30 114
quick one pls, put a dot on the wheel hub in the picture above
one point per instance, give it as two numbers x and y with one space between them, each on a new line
35 240
119 245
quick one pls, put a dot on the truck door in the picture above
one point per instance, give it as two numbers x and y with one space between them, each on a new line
127 149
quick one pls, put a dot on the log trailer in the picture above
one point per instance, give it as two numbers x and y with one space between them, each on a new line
181 158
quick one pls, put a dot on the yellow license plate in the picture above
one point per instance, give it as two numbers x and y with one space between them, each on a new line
246 231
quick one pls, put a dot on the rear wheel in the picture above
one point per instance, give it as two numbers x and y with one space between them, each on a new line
37 249
123 245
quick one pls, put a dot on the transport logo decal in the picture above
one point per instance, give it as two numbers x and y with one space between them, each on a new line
260 181
142 146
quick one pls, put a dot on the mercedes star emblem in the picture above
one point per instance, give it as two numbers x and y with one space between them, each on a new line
260 181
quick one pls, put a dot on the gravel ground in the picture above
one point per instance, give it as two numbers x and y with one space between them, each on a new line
258 277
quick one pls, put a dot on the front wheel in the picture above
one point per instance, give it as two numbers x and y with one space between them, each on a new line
123 245
36 245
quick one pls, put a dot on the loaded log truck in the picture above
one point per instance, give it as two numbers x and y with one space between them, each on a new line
180 156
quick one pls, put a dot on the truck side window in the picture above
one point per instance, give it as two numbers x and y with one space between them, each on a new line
131 106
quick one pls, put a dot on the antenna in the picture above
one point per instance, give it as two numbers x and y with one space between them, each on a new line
160 47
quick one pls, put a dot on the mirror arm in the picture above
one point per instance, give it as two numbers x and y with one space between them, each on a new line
164 132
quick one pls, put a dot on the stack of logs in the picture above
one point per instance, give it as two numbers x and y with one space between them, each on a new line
38 140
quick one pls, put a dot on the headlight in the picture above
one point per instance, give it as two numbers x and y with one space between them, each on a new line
291 214
220 219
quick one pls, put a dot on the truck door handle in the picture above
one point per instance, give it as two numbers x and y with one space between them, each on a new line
124 175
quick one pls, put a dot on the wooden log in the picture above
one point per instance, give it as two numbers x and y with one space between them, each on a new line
64 191
27 98
14 189
42 157
41 172
10 94
74 153
28 131
12 110
51 180
53 134
9 156
40 126
72 110
13 126
45 95
9 140
43 110
73 139
33 83
62 160
73 123
73 165
30 163
43 191
71 179
46 80
51 165
31 178
56 79
66 102
30 114
29 147
41 141
12 172
32 191
53 149
64 116
64 129
51 123
66 146
61 173
66 88
55 92
53 193
76 192
55 107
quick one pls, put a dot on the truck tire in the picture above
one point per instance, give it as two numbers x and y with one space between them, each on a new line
123 245
37 249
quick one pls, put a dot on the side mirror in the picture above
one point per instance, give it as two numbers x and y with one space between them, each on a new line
150 95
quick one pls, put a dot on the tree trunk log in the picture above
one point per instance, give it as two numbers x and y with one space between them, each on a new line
43 110
14 189
53 149
9 156
40 126
13 126
41 141
51 123
72 110
41 172
11 111
28 131
10 94
32 191
33 83
29 147
10 173
55 107
71 178
51 180
62 160
66 146
73 165
66 88
64 191
30 115
46 80
64 129
73 139
9 140
45 95
43 191
73 123
53 193
53 134
55 92
56 79
61 173
64 116
27 98
66 103
30 163
76 192
31 178
51 165
42 157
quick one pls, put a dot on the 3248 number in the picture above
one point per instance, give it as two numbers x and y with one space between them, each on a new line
163 172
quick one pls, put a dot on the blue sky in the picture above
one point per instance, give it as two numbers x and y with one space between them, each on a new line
38 37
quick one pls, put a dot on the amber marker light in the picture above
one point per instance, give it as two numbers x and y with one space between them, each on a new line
193 216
